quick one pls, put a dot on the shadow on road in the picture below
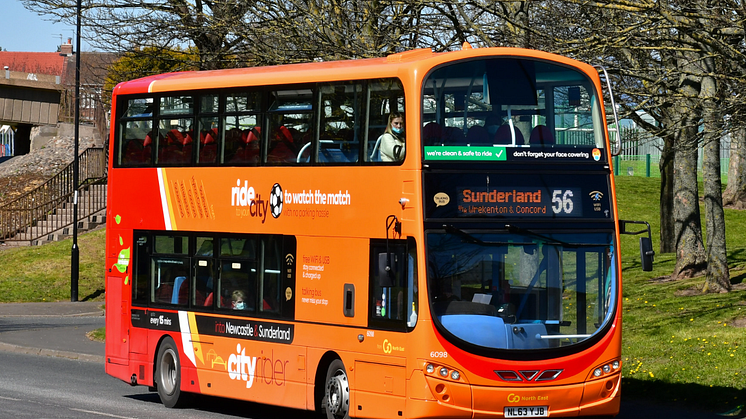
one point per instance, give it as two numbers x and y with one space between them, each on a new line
641 399
688 400
231 407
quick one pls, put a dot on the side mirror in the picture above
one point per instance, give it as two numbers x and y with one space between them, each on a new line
646 253
646 243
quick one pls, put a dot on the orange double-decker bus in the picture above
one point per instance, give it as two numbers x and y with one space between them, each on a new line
421 235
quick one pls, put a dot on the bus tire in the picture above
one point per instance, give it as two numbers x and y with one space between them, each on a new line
336 401
168 374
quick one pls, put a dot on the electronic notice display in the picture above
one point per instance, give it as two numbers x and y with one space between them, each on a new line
560 154
535 196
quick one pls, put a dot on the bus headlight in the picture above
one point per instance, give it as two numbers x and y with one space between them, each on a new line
444 372
603 370
430 368
455 375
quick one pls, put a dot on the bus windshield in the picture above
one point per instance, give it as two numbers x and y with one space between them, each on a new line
514 103
521 289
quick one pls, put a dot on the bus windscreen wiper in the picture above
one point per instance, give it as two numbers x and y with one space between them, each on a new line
472 239
464 235
518 230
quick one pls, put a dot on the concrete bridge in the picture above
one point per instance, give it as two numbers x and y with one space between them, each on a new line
25 103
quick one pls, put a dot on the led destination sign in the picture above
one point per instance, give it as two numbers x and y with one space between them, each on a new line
560 202
494 195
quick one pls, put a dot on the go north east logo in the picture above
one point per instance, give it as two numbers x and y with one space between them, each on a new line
250 204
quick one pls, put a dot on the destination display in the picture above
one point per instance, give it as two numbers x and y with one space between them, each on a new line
517 196
561 202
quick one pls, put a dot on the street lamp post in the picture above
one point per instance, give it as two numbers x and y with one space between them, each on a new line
75 256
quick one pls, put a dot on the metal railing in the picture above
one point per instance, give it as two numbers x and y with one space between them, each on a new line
48 208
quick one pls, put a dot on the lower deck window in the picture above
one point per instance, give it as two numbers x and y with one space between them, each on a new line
240 274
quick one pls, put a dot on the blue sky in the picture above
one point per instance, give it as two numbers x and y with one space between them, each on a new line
25 31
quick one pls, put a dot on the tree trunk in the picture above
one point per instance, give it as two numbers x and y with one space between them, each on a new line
666 166
717 276
690 253
735 192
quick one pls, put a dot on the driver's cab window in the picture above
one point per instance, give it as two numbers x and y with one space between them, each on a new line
393 285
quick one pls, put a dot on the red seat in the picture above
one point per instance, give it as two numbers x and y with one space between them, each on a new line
282 147
504 135
134 153
208 151
432 133
164 292
248 152
541 135
477 135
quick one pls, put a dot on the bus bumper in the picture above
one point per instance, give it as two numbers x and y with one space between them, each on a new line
456 400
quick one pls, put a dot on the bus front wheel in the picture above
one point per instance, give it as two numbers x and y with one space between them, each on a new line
336 401
168 374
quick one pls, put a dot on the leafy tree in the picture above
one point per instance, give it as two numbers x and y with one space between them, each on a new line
217 30
146 62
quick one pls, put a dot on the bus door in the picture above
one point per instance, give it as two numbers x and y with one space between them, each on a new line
381 380
140 293
117 346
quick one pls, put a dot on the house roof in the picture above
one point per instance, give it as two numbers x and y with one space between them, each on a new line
51 63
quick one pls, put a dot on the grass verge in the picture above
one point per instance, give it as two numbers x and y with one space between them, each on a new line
42 273
679 345
98 335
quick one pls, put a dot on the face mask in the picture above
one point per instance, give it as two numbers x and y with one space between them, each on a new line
240 305
492 129
397 130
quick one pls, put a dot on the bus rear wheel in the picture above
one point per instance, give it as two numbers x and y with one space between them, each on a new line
336 401
168 374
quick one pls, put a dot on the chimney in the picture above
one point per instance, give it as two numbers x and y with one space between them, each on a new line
7 72
67 49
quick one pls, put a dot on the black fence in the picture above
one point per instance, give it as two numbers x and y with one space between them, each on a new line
49 208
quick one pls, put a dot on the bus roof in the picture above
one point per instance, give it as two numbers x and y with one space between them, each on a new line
368 68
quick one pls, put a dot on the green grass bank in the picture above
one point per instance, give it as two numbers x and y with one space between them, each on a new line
42 273
679 345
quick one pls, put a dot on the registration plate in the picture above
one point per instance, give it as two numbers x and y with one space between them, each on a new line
527 412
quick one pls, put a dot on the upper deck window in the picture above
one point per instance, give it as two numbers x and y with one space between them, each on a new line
291 125
509 109
336 123
134 145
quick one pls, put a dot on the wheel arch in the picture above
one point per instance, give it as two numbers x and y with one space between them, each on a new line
319 381
157 350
